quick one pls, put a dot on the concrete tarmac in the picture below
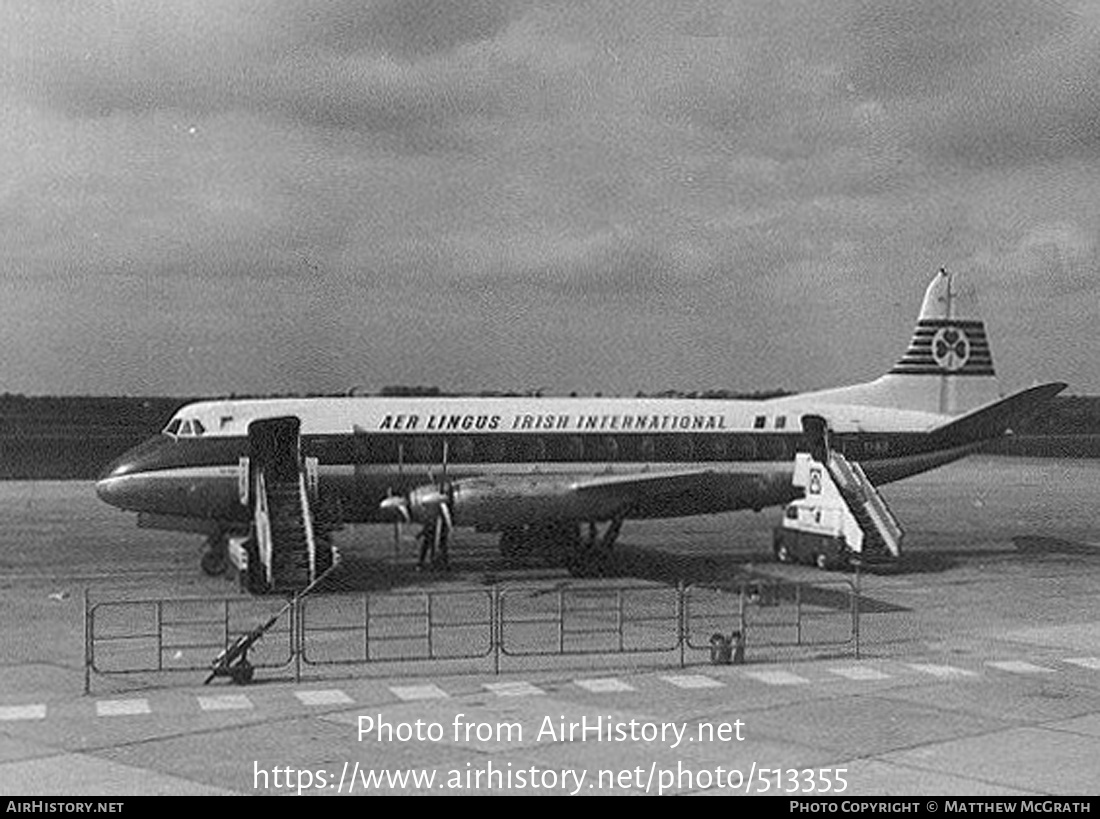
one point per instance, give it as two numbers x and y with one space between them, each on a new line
978 671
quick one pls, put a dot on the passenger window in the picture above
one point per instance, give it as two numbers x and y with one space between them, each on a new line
460 450
378 449
743 448
759 422
535 448
488 449
423 449
781 422
628 447
674 447
774 448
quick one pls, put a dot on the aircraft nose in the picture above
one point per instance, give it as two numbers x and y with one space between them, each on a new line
121 483
109 484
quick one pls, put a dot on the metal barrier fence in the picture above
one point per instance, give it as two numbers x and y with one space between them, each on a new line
774 614
151 635
401 626
493 625
589 620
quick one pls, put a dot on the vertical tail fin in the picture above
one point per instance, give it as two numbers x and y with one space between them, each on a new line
948 367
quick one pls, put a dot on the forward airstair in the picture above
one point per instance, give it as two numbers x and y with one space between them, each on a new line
287 550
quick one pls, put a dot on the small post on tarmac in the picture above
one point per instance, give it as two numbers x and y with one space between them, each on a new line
496 627
87 645
681 621
741 610
297 637
855 604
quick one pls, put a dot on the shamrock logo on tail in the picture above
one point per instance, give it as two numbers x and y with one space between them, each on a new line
950 348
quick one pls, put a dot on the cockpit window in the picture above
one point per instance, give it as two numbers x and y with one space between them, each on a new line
185 428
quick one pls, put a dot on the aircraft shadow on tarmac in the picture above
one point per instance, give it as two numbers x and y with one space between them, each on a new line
1027 547
732 572
358 573
920 563
1036 546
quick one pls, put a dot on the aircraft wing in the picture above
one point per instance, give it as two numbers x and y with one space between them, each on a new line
495 501
641 489
645 484
654 493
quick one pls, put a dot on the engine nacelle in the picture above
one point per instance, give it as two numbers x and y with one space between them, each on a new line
494 503
422 503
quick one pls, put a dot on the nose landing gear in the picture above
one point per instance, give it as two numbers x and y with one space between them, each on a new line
215 560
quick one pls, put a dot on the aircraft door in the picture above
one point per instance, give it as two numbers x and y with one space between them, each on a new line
815 430
244 478
313 477
274 447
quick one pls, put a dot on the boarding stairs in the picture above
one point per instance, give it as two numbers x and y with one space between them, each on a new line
834 486
292 550
286 537
882 534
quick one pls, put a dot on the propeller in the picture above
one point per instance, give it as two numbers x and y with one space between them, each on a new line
444 519
430 505
398 505
440 502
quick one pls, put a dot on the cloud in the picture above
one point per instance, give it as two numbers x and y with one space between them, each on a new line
902 49
985 84
404 28
379 67
560 170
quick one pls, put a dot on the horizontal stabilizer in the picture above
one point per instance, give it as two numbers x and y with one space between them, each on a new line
993 420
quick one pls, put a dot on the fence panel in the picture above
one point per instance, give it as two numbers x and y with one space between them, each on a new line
140 636
773 613
589 620
397 626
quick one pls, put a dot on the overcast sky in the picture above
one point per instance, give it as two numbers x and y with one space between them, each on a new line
200 197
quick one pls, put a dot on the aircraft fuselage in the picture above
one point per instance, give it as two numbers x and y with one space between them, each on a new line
740 454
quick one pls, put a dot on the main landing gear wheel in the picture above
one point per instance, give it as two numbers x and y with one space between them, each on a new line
782 553
215 560
594 556
511 543
589 562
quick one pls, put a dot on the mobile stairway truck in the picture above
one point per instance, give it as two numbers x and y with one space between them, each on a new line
841 519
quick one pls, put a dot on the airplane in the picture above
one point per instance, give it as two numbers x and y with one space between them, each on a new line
541 470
